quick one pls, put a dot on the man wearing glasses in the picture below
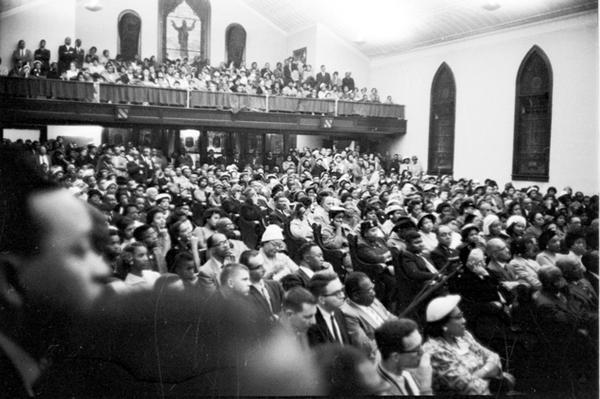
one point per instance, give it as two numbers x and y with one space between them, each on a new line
219 250
363 312
330 327
399 342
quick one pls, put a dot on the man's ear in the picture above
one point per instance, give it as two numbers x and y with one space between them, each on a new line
11 292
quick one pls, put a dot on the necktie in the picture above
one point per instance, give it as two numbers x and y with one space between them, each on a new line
335 331
265 293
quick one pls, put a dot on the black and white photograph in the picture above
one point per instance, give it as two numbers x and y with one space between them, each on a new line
299 198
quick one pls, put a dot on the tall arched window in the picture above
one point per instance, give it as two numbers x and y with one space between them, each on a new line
235 44
533 115
184 29
441 122
130 26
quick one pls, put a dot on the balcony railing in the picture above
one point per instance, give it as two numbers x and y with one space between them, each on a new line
141 95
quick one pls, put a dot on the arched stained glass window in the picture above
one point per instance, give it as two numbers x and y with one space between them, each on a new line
441 122
533 116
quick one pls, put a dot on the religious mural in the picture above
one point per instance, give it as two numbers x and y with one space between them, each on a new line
184 35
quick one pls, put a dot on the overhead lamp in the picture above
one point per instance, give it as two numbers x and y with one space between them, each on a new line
491 5
93 5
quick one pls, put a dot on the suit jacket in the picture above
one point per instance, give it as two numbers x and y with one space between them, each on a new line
362 326
26 57
275 291
501 273
411 274
66 54
297 279
440 255
319 333
323 78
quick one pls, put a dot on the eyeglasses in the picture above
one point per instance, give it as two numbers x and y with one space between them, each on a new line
338 293
458 316
418 349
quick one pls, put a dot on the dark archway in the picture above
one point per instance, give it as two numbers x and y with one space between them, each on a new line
130 26
441 122
533 117
235 44
202 9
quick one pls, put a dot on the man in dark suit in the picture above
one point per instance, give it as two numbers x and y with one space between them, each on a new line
499 255
413 271
265 295
323 77
330 326
66 54
363 312
42 54
311 261
281 214
21 54
440 254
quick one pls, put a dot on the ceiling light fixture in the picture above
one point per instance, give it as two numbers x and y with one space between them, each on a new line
93 5
491 5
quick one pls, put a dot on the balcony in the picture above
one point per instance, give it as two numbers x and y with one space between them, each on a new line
30 98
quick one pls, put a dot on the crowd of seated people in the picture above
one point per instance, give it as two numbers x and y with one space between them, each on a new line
455 259
291 78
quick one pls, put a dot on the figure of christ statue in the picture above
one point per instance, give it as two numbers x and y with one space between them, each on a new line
182 36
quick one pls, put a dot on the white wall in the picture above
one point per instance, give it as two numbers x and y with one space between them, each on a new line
100 29
33 21
485 71
339 55
304 140
304 38
265 42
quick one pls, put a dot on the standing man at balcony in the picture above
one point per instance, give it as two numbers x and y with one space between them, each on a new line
21 54
42 54
66 54
323 77
348 81
79 53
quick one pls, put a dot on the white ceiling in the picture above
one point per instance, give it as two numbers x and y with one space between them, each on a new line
383 27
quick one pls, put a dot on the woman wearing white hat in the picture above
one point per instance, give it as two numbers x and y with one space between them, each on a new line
460 364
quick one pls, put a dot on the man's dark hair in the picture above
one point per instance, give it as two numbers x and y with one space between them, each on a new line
20 233
573 236
318 282
184 256
229 270
246 255
321 196
305 249
390 334
139 232
296 297
411 235
209 212
352 283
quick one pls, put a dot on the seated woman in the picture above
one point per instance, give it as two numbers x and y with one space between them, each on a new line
492 228
335 235
371 249
515 227
478 288
426 226
470 240
522 264
549 242
300 228
460 365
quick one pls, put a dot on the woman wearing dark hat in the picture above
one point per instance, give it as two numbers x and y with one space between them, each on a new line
426 227
470 240
300 228
460 364
335 234
371 248
550 243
